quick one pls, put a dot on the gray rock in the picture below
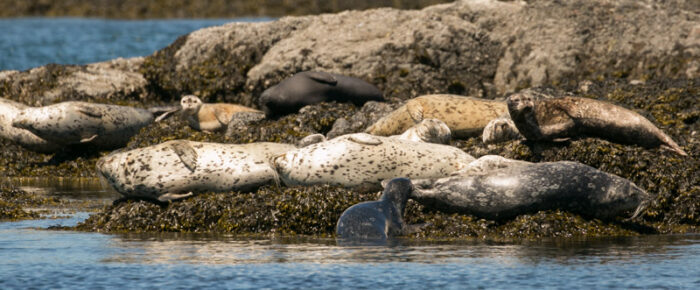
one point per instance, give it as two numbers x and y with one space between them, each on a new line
367 115
240 121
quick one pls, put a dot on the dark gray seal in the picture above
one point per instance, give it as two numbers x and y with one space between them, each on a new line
377 220
312 87
497 188
571 117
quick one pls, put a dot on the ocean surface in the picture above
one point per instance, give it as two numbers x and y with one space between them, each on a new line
34 256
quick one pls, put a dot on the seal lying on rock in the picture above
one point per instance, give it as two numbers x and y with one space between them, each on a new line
571 117
428 131
363 161
500 130
104 126
311 87
210 117
497 188
25 138
465 116
179 168
377 220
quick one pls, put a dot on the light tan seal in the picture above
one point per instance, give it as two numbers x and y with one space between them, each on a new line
465 116
210 117
362 161
8 111
181 168
549 119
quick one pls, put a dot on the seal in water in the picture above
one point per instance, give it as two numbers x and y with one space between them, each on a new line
571 117
67 123
210 117
8 111
180 168
312 87
362 161
465 116
377 220
497 188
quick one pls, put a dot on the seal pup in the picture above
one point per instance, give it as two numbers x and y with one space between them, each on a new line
362 161
179 168
377 220
67 123
8 111
497 188
465 116
312 87
210 117
572 117
499 130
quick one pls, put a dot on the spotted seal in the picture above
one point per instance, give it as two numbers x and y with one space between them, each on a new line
8 111
312 87
547 119
499 130
465 116
362 161
497 188
180 168
377 220
210 117
101 125
429 131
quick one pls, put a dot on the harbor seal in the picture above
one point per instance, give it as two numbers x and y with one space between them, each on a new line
499 130
377 220
571 117
429 131
312 87
180 168
497 188
465 116
8 111
362 161
67 123
210 117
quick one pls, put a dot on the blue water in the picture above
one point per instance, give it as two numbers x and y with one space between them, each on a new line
31 42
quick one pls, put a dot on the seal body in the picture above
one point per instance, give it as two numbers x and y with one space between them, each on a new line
428 130
179 168
496 188
377 220
210 117
104 126
499 130
362 161
312 87
465 116
571 117
25 138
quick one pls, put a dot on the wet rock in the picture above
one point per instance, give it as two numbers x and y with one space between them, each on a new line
367 115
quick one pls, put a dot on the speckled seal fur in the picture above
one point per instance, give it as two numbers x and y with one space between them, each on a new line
428 130
497 188
570 117
209 117
465 116
25 138
180 168
312 87
362 161
377 220
101 125
499 130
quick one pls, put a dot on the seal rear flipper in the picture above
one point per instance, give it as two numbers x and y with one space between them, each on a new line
322 77
638 211
174 196
673 147
187 154
164 112
365 139
415 110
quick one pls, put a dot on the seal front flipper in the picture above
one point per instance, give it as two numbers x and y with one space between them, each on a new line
415 110
187 154
173 196
365 139
322 77
88 139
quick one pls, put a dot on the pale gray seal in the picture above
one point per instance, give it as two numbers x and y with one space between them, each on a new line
465 116
25 138
362 161
377 220
497 188
67 123
210 117
571 117
429 131
180 168
312 87
500 130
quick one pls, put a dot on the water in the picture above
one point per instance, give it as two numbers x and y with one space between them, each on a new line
33 257
31 42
